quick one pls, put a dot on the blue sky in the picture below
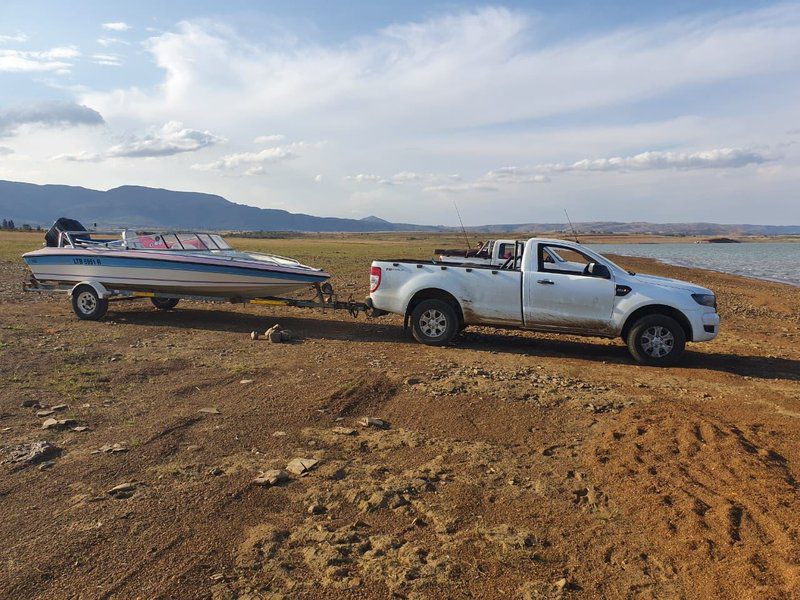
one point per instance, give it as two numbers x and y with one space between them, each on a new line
679 111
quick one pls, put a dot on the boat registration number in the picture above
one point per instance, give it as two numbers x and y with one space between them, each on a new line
86 261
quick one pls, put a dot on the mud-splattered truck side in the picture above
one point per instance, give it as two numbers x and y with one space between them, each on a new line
548 285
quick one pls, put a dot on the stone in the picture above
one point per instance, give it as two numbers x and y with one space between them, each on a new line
50 424
344 431
254 335
246 381
278 433
30 404
192 448
272 477
374 422
215 471
413 381
114 448
286 335
80 428
301 466
45 413
122 491
60 407
33 453
209 410
316 509
275 337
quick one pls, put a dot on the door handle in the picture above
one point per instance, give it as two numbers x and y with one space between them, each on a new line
546 282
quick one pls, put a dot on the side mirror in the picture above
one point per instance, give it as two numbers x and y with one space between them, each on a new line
597 270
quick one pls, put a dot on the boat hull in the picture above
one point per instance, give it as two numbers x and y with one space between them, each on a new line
144 271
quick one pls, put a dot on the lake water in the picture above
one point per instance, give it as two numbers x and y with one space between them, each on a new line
772 261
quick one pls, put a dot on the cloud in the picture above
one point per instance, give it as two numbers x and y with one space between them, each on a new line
318 178
475 68
5 151
117 26
513 175
172 138
404 178
269 139
717 158
253 162
17 37
110 41
48 114
83 156
26 61
476 186
364 177
111 60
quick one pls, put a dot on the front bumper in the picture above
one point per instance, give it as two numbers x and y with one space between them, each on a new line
705 326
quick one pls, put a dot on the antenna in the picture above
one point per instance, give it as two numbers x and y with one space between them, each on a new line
577 241
463 230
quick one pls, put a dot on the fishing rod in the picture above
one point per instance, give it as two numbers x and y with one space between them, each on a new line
463 230
575 235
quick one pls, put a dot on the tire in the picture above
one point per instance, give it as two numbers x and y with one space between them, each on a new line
656 340
434 322
164 303
87 305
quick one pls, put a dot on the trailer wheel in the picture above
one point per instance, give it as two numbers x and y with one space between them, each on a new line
87 305
434 322
164 303
656 340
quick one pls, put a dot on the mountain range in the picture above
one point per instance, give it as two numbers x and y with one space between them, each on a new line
137 206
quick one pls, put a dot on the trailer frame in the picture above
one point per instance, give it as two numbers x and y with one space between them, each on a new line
326 299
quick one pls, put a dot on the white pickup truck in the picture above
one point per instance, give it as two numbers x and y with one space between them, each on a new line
533 290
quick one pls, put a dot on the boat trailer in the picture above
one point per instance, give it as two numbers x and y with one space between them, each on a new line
325 298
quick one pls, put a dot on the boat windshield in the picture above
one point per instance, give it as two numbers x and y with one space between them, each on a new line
176 241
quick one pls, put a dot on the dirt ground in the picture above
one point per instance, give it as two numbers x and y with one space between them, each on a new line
516 465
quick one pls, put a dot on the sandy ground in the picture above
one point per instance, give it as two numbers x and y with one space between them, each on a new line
516 465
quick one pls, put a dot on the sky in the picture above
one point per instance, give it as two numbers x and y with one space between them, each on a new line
624 111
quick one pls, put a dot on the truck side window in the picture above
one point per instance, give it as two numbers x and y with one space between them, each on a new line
559 259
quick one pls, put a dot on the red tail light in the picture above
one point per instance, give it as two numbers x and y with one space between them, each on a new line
374 279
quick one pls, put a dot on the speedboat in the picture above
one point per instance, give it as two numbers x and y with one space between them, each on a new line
184 263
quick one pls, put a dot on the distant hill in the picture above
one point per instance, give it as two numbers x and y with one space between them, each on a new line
136 206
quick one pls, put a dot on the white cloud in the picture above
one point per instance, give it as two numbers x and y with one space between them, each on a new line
17 37
22 61
48 114
111 60
318 178
363 177
717 158
172 138
252 162
475 68
116 26
5 151
269 139
82 156
514 175
111 41
476 186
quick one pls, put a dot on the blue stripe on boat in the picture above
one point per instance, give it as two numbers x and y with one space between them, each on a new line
149 263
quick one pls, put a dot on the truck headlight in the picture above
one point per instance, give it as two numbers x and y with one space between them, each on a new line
706 299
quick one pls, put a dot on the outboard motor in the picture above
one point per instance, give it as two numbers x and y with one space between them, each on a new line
61 225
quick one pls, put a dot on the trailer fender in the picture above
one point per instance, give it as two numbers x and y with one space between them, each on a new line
101 290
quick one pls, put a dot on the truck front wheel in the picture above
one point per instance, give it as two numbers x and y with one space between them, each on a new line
656 340
434 322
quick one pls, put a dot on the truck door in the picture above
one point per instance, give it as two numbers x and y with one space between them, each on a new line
559 293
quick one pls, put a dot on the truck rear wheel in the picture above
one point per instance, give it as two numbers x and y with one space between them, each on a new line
87 305
656 340
164 303
434 322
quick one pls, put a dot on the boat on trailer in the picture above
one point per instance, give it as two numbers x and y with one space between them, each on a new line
94 266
